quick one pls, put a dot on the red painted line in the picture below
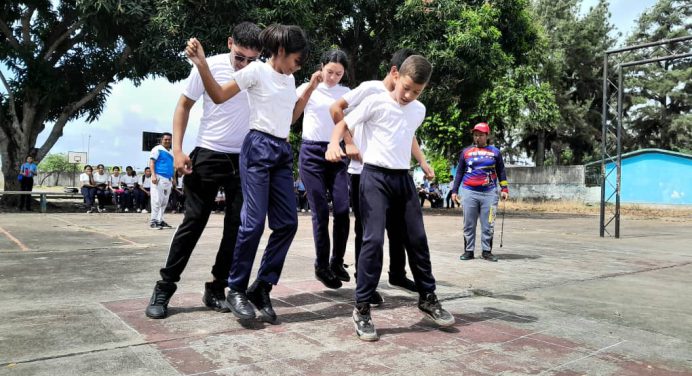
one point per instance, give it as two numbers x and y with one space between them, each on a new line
15 240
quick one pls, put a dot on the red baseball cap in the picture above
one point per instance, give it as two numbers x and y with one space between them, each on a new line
482 127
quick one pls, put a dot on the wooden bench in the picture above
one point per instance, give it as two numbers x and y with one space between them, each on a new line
43 196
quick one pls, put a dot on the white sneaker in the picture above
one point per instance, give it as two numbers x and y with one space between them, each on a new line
91 210
139 210
127 210
144 211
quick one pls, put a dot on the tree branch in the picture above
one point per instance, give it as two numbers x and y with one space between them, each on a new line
8 33
26 25
61 38
69 110
13 108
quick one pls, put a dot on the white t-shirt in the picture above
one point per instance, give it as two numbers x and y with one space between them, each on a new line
223 126
129 180
317 122
146 183
115 181
388 129
84 178
354 98
272 97
100 178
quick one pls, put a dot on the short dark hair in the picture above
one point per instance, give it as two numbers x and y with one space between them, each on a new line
164 134
418 68
399 57
100 165
246 34
336 56
116 168
289 37
88 166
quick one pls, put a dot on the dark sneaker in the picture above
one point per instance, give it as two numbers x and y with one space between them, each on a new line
154 225
328 278
376 299
258 294
158 304
163 225
363 323
239 305
487 255
215 296
468 255
429 304
340 272
402 283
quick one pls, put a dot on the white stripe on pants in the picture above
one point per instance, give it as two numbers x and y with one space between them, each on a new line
159 198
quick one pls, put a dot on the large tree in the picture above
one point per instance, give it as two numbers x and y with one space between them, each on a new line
60 60
660 112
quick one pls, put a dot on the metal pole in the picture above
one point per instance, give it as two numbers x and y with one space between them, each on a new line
619 153
650 44
604 134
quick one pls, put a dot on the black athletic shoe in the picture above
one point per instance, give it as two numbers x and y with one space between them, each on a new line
402 283
365 330
468 255
340 272
376 299
215 296
164 225
429 304
328 278
154 225
158 304
487 255
258 294
239 305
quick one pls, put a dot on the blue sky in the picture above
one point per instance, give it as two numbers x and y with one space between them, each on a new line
115 138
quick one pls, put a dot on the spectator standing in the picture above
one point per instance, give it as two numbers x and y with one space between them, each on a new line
161 164
27 171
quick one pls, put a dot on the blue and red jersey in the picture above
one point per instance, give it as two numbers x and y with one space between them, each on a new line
479 169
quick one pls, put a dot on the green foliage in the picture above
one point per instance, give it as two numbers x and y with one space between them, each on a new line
441 166
658 97
56 163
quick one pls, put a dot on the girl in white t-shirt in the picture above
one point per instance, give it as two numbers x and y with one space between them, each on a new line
324 179
114 184
88 187
143 191
266 160
130 194
103 193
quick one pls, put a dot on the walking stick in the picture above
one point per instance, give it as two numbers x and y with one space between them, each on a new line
502 227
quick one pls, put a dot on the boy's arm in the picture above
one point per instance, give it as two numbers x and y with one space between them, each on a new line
461 167
217 93
336 110
302 101
181 161
334 152
502 175
420 157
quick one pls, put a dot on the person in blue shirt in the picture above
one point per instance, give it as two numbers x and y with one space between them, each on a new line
27 171
161 165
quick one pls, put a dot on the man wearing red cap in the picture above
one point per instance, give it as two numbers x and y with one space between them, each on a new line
480 166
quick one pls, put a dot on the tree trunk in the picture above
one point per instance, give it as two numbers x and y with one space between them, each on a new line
11 160
540 149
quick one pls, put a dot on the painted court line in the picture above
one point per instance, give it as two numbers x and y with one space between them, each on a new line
16 241
91 229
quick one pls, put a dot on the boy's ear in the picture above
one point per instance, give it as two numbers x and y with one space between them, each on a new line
230 42
394 72
281 52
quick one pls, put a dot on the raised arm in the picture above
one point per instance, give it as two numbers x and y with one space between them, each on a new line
217 93
302 101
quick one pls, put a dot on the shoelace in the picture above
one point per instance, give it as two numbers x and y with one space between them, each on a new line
160 299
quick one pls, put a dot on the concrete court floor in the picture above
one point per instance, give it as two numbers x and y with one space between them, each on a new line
561 301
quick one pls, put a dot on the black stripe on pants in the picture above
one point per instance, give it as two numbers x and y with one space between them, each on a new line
210 170
383 193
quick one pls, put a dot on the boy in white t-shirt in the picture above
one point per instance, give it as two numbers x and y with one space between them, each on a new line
397 256
389 122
